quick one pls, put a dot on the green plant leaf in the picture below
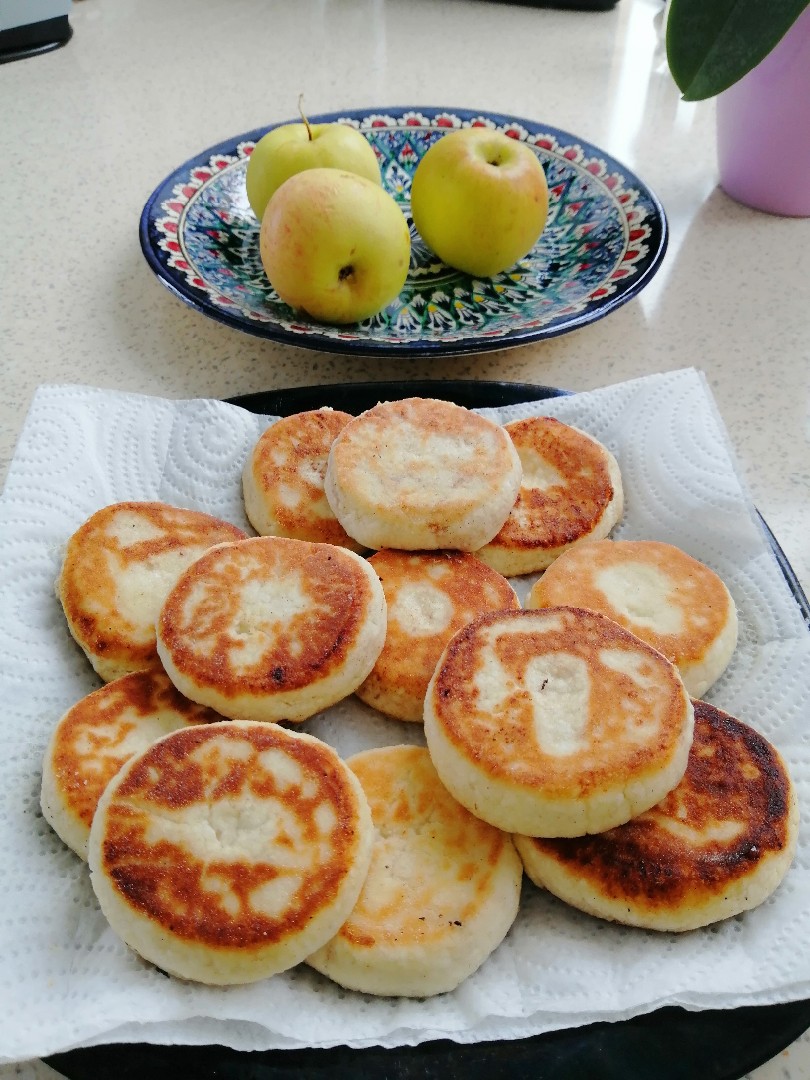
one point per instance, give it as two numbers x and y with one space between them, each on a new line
711 44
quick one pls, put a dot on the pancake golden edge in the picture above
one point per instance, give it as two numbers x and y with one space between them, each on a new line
422 474
429 595
666 597
719 844
556 722
272 629
117 569
571 491
98 735
228 852
442 891
282 479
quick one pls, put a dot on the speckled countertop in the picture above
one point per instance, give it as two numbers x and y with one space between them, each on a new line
87 131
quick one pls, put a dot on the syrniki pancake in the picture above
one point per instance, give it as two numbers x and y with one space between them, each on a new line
228 852
557 722
442 890
571 491
97 736
118 568
717 845
271 628
664 596
429 595
422 474
282 480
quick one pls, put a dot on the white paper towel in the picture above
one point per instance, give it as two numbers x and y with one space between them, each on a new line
66 980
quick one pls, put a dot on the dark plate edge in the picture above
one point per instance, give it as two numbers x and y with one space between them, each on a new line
660 1039
409 350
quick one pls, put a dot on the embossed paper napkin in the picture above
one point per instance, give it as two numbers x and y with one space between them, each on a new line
66 979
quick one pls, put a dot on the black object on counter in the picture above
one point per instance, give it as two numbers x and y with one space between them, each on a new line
568 5
31 39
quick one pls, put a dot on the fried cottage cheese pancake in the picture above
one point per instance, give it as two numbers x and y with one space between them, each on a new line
429 596
442 891
556 722
717 845
422 474
282 480
97 736
271 628
118 568
658 592
571 491
228 852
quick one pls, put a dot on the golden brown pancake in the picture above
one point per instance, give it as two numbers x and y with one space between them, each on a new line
227 852
97 736
658 592
272 629
571 491
441 893
118 568
556 722
422 474
282 480
429 595
717 845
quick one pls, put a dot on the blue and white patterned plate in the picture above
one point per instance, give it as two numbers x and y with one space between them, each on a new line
605 238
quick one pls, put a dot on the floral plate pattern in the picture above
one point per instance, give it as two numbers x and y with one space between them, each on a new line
605 237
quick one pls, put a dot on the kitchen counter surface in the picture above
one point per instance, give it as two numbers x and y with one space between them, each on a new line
88 131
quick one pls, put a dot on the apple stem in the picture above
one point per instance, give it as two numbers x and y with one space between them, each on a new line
301 111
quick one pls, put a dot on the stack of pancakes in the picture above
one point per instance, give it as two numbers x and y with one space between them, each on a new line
565 737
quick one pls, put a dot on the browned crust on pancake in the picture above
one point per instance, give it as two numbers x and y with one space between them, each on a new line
431 820
87 583
733 773
340 594
305 440
502 743
97 721
165 777
699 593
408 660
565 512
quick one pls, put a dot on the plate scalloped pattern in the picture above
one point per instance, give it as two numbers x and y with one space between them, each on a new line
605 236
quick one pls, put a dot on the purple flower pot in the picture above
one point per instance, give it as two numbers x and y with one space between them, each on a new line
763 129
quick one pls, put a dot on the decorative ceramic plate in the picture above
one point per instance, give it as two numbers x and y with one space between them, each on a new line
605 237
670 1043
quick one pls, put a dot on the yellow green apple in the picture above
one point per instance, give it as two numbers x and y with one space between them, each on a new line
479 200
292 148
335 245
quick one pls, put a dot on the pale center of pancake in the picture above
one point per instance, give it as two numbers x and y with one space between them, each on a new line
428 468
244 829
312 471
421 609
288 496
142 587
235 823
538 472
267 606
558 686
643 594
564 695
